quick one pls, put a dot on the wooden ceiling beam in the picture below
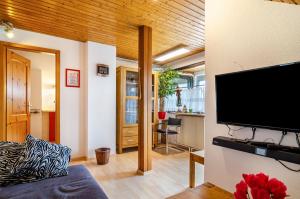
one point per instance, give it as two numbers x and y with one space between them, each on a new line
24 18
155 18
71 19
23 21
113 22
163 15
32 5
90 10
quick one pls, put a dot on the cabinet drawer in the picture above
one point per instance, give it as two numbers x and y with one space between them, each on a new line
130 141
130 131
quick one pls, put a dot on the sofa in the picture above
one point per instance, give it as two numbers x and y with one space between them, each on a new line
77 184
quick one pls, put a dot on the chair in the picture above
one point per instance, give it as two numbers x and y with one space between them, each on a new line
171 122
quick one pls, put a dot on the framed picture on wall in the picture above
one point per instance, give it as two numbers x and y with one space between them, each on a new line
72 78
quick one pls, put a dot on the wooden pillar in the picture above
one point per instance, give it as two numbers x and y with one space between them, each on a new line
2 92
145 100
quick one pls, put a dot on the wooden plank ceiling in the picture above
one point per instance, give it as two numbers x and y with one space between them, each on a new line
113 22
297 2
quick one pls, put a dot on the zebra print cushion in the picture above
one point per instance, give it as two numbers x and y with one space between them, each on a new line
42 159
9 153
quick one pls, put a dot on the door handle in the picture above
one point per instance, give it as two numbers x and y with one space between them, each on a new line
29 105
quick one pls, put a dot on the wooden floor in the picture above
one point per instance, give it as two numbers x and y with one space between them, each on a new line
168 177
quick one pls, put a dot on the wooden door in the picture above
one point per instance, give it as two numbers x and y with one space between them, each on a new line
18 92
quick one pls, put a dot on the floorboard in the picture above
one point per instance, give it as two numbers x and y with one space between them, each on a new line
119 179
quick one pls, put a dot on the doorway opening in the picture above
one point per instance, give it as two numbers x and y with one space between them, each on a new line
31 93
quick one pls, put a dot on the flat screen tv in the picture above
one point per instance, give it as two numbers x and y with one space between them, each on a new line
262 98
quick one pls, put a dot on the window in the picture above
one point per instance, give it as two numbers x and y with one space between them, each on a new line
200 80
192 94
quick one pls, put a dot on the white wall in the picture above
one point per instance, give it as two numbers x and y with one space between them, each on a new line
101 98
71 125
245 34
36 102
73 100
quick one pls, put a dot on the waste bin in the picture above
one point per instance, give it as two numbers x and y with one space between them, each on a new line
102 155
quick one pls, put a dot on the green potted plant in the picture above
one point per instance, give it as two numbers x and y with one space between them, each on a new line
166 87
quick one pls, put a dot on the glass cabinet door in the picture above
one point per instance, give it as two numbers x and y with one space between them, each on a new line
131 98
132 86
131 111
153 85
152 113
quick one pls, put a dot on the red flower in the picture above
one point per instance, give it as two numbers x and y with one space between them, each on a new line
250 180
277 189
261 187
260 193
258 180
262 180
241 190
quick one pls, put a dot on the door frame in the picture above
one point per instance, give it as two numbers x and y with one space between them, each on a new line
4 46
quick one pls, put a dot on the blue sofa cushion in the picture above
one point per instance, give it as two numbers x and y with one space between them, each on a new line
42 159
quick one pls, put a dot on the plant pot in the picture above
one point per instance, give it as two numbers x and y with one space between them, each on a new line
161 115
102 155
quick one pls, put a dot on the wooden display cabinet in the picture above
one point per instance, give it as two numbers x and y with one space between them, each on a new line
127 107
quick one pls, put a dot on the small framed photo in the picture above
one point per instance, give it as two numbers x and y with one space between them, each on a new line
72 78
102 70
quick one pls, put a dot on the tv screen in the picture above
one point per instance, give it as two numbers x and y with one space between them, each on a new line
262 98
